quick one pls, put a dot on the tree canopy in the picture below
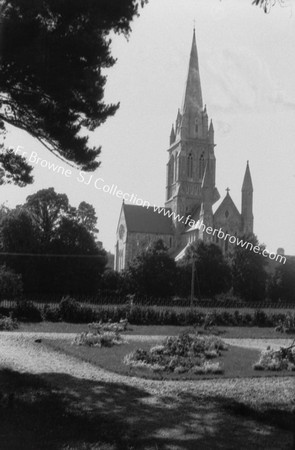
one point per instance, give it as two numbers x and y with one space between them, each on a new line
212 274
282 282
52 57
248 270
152 273
46 241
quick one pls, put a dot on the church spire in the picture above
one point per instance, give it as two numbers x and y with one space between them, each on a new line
193 93
247 183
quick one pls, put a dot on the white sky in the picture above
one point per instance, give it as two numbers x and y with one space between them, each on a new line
247 65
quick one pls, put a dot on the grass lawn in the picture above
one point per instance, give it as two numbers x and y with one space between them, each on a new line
236 362
159 330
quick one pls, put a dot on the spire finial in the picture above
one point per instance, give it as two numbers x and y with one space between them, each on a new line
227 190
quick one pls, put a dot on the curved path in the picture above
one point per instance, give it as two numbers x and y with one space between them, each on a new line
19 351
170 415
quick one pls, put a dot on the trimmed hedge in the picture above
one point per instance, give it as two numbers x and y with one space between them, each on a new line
69 310
167 316
27 312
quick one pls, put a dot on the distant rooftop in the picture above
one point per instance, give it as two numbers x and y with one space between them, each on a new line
141 219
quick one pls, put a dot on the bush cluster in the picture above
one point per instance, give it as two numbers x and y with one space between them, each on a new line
8 323
69 310
102 334
106 339
287 325
180 354
270 359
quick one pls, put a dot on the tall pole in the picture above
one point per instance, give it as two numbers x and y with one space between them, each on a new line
193 282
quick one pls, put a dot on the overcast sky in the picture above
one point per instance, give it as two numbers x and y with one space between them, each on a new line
247 66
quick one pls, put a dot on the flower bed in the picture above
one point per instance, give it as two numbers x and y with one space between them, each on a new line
102 334
283 359
180 354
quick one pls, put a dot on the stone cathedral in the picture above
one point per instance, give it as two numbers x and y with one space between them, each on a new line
190 188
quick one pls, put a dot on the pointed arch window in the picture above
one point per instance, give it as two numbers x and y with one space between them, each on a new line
190 165
201 166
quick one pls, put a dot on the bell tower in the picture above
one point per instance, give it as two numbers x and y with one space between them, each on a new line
191 149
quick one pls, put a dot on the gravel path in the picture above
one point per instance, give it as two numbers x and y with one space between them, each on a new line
19 352
173 415
244 342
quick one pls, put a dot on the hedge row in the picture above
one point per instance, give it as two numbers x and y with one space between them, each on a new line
71 311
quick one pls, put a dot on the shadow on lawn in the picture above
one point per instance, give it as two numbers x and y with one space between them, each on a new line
58 411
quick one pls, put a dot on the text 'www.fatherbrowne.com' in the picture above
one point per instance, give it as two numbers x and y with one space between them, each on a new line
220 234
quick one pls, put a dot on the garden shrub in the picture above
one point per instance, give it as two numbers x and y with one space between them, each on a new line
72 311
51 313
179 354
286 324
102 334
106 339
26 311
261 319
270 359
8 323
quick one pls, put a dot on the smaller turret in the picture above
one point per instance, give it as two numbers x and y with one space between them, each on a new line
172 135
177 122
247 202
211 133
205 122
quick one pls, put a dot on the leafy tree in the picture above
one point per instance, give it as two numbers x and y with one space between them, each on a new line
153 272
282 284
115 283
19 240
55 251
87 217
18 233
212 272
47 208
53 53
10 283
248 270
72 237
